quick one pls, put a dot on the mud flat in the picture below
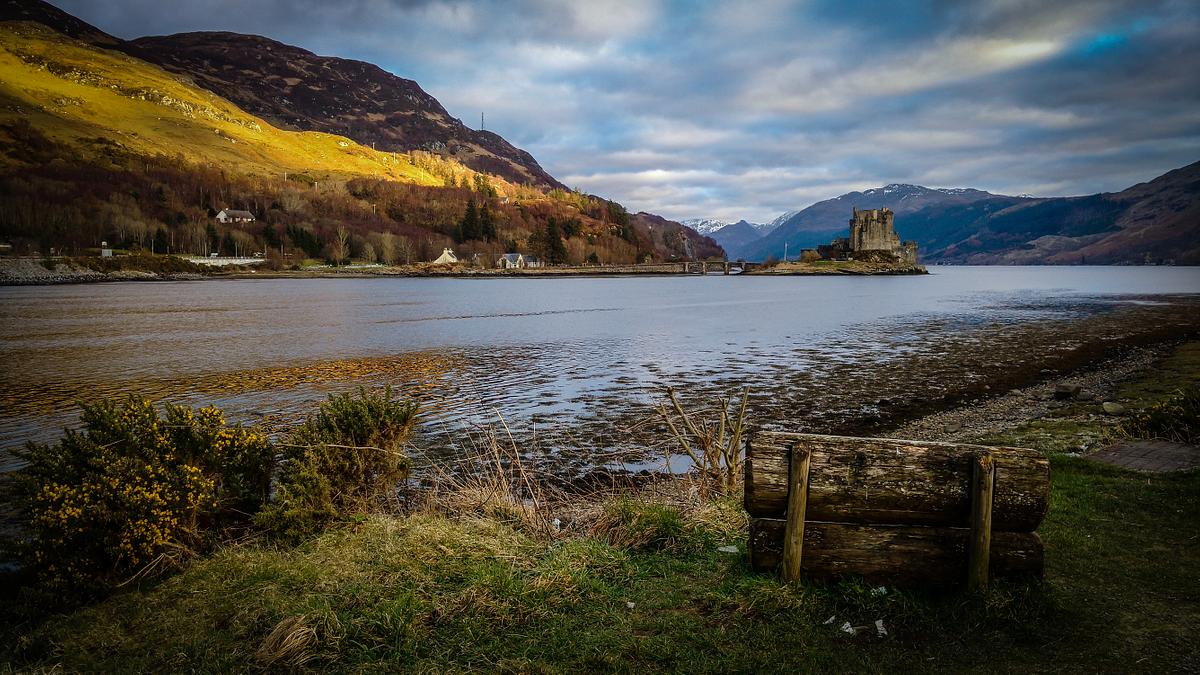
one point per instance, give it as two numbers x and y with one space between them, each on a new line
942 382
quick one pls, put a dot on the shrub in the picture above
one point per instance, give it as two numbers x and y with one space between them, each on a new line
109 500
340 462
1174 419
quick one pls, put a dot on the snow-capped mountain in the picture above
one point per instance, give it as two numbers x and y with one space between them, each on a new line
710 225
768 228
816 224
705 225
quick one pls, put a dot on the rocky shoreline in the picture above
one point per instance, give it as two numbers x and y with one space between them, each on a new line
37 272
31 272
841 268
1094 387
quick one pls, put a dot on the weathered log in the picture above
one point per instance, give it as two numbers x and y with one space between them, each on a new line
901 555
881 480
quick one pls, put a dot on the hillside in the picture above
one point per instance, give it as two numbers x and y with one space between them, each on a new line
735 238
53 17
295 89
668 235
96 100
101 146
824 220
1156 221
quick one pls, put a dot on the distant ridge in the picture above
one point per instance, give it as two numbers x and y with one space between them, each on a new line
297 90
1156 221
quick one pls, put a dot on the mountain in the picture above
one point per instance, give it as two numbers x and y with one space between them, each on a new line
1155 221
62 22
97 144
681 239
296 89
736 237
824 220
705 225
733 237
100 102
1158 221
768 228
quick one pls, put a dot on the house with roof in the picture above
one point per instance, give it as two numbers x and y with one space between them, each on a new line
225 216
517 261
446 258
511 261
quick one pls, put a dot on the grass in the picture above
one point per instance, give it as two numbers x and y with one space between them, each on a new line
646 588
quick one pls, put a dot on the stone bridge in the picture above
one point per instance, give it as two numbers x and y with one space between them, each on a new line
718 266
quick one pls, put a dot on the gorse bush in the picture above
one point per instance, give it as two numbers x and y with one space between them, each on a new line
340 461
133 485
1175 419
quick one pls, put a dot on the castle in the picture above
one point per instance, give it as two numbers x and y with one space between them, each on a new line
872 237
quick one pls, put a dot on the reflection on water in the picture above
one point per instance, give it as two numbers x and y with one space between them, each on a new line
568 362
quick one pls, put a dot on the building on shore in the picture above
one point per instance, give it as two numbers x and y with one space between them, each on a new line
511 261
517 261
446 258
226 216
872 238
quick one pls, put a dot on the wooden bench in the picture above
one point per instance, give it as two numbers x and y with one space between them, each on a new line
895 511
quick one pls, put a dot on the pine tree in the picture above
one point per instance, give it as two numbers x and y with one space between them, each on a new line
210 234
470 227
161 242
556 250
228 246
487 226
270 236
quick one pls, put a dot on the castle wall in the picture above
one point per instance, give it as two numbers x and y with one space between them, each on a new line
874 230
873 238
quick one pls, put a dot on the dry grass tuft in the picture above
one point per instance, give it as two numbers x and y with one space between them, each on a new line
493 482
289 643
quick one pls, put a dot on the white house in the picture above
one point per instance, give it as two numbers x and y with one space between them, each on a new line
516 261
511 261
234 216
446 258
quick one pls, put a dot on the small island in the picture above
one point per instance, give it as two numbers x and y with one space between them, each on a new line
873 247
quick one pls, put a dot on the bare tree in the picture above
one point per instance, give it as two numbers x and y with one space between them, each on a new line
341 240
405 249
387 248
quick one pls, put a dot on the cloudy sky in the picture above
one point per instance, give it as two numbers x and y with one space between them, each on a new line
737 109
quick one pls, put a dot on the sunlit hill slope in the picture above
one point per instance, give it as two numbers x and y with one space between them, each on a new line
93 99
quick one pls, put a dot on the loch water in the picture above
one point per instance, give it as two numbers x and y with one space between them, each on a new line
558 359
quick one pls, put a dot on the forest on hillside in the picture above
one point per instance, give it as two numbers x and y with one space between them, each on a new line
53 202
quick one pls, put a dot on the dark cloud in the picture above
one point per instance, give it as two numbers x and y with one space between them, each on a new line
747 108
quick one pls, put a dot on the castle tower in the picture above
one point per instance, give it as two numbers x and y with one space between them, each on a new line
873 230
